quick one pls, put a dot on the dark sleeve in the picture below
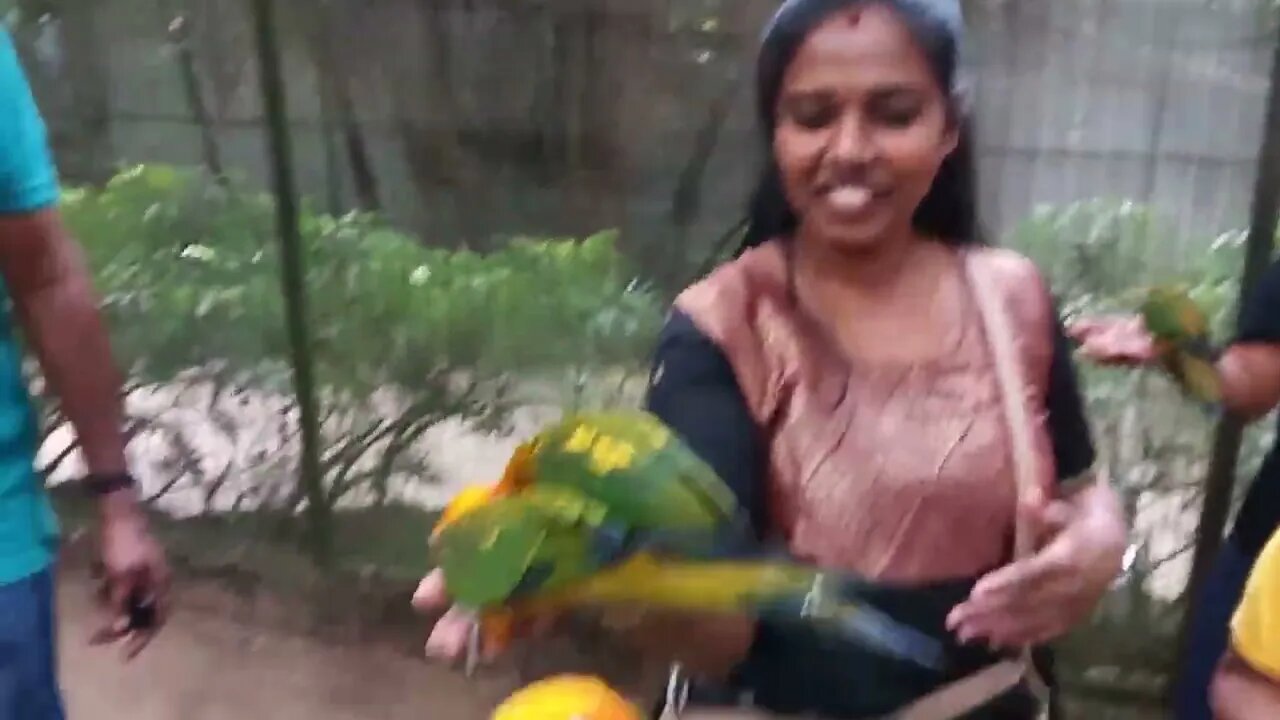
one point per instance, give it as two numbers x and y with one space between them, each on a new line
1072 442
1260 320
693 390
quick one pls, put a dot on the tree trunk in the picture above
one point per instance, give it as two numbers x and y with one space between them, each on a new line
428 121
178 27
339 116
293 279
84 148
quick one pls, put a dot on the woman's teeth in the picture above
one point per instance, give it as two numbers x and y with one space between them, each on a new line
849 198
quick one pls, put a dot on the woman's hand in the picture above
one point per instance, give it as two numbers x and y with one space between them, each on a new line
1115 340
453 630
1041 598
709 646
448 638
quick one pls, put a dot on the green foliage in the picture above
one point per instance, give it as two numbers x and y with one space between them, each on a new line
404 335
190 276
1100 255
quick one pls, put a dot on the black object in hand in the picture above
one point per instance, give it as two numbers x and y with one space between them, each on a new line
142 611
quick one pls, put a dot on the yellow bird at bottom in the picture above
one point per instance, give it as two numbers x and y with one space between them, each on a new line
566 697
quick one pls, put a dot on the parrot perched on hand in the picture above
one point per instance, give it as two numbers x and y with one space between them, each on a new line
1182 329
611 508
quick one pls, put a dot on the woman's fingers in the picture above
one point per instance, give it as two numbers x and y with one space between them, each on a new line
1008 631
449 637
1083 328
431 595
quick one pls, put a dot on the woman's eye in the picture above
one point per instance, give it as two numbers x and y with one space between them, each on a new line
895 112
811 115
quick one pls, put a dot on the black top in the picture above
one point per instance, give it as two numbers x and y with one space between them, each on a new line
694 391
1260 514
793 669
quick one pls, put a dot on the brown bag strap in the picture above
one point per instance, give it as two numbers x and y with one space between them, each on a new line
969 693
950 701
1000 338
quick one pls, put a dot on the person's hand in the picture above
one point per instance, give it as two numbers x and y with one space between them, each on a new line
710 645
452 632
135 583
448 638
1115 340
1040 598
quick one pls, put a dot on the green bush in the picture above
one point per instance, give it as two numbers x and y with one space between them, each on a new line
403 335
190 275
1099 255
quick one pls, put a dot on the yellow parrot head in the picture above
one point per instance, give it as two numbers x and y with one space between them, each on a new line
464 502
515 478
566 697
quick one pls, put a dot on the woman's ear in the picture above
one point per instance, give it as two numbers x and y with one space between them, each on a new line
951 133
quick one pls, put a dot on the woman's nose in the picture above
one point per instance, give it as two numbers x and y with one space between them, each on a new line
850 143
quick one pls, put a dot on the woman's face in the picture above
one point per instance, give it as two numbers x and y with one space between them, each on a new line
863 127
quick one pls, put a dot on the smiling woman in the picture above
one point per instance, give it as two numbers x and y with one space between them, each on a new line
831 124
887 395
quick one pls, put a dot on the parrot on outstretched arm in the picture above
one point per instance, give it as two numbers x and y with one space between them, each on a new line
611 508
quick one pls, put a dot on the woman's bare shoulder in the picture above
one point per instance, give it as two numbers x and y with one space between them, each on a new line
728 296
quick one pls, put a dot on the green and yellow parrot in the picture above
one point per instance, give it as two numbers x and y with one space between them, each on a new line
1182 329
610 508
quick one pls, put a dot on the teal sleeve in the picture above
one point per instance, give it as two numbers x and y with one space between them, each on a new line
28 178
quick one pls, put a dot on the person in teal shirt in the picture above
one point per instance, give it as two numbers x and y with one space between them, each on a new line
48 292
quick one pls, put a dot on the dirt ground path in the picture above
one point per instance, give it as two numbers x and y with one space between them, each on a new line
207 666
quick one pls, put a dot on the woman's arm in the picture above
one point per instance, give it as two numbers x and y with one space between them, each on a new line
693 390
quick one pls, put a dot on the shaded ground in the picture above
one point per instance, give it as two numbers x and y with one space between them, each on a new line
209 665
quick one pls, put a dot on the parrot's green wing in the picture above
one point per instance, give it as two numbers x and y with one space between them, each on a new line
632 464
486 553
1173 317
514 547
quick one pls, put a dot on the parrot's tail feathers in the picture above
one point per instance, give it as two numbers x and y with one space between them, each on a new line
857 621
895 638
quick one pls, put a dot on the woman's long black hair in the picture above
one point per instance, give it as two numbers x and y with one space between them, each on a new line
950 209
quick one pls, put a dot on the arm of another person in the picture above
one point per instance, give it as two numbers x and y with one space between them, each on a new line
47 279
1247 684
1249 368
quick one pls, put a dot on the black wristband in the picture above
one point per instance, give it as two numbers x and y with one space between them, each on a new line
98 485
